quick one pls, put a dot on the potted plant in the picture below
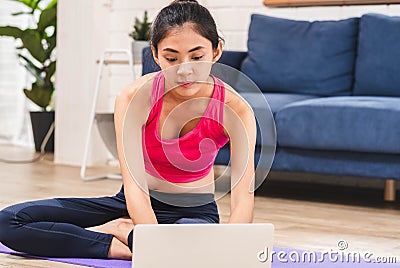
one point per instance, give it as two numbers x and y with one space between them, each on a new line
140 36
36 52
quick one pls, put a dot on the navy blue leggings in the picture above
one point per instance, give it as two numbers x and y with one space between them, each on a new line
56 227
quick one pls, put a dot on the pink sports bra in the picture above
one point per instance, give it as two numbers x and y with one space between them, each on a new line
190 157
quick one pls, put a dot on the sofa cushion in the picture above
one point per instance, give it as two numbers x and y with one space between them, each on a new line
265 108
362 124
377 65
276 101
301 57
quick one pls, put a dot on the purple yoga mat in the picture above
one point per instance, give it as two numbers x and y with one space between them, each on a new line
98 263
282 258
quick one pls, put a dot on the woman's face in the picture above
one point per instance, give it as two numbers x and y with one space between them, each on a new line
186 59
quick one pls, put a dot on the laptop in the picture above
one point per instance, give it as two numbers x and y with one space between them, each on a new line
202 245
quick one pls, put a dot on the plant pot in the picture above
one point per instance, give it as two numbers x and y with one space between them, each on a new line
137 48
41 122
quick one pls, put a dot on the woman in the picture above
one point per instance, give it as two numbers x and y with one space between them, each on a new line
169 127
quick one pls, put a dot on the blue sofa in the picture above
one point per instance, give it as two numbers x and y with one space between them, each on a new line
334 92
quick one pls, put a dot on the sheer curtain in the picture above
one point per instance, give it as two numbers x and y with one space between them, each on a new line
14 106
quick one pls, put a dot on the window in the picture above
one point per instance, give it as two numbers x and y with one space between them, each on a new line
14 118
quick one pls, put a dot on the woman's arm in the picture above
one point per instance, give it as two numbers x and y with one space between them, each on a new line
240 125
134 104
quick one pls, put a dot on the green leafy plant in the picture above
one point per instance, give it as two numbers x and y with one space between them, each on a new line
40 42
141 29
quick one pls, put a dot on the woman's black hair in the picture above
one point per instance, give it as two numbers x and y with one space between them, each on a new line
179 12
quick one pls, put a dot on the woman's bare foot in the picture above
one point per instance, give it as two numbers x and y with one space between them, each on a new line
119 228
119 250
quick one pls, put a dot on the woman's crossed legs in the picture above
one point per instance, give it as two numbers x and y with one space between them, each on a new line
56 227
85 227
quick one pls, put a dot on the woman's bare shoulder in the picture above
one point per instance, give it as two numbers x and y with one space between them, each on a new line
237 103
142 85
237 113
135 100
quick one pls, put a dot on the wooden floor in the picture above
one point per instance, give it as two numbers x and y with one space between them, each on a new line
306 216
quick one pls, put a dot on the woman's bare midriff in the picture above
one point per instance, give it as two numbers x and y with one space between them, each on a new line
203 185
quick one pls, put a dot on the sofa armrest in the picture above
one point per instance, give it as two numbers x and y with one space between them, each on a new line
233 58
148 63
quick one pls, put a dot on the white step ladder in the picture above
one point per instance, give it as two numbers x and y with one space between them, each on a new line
95 117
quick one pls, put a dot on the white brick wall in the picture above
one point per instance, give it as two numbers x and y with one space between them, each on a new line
232 16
